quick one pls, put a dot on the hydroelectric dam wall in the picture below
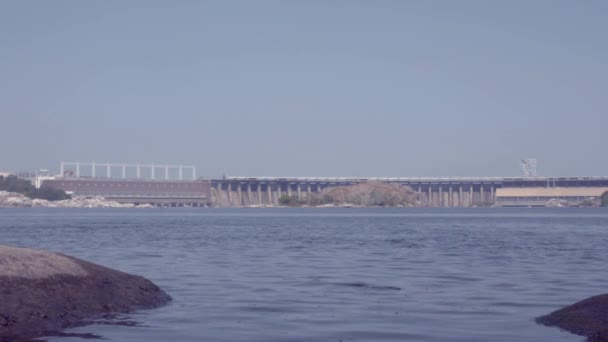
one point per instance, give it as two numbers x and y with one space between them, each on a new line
446 192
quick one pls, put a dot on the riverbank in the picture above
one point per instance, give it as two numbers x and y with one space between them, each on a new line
17 200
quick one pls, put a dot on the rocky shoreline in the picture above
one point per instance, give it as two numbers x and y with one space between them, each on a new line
16 200
587 318
42 292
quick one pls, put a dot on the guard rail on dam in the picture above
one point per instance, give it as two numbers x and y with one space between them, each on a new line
434 192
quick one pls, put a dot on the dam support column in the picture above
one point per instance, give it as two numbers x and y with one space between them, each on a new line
451 198
492 191
240 194
440 196
481 197
471 196
269 192
460 204
249 193
430 197
308 191
299 191
289 189
228 191
259 193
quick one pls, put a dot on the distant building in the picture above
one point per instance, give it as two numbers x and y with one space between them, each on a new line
40 179
539 197
194 193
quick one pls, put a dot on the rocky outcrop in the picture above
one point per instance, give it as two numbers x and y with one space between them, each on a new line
43 292
557 203
369 194
13 199
587 318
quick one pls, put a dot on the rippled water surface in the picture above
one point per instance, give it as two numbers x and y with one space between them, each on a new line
335 274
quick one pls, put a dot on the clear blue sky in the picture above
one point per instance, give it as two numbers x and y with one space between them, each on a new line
307 88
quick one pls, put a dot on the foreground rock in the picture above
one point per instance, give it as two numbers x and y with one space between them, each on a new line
587 318
16 200
43 292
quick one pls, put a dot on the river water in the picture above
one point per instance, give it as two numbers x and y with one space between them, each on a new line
335 274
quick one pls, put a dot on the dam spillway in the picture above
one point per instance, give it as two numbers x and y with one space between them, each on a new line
445 192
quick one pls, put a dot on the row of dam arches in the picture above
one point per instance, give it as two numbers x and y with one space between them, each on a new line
258 193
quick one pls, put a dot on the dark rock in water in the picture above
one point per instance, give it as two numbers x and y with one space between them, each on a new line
586 318
42 292
369 286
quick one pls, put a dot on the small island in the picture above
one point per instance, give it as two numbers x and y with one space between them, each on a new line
369 194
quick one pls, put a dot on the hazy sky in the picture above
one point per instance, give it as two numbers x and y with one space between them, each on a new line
307 88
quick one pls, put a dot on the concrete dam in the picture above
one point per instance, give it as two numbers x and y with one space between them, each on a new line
178 185
446 192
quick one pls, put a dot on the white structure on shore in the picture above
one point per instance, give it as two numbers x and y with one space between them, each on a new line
75 169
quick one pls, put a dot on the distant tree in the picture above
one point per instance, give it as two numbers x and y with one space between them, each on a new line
23 186
327 199
605 199
51 194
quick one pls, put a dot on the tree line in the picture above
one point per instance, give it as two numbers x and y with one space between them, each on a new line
13 183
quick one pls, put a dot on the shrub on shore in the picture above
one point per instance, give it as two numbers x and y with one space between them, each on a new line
290 201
